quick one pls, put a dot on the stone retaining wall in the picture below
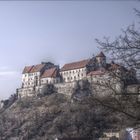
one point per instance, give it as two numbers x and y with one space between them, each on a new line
65 88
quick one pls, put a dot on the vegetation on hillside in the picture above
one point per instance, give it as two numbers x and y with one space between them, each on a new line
55 115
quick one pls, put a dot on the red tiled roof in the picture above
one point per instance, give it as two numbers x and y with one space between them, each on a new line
53 72
101 54
33 68
27 69
96 72
75 65
37 68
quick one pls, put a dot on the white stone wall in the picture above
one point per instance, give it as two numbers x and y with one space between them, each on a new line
101 79
101 61
30 79
25 92
49 80
106 84
74 75
65 88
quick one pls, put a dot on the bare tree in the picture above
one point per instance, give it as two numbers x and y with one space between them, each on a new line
124 49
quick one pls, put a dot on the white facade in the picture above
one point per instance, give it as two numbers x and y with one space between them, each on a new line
30 79
73 75
49 80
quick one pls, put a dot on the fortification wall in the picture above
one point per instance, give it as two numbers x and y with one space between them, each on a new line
25 92
65 88
68 88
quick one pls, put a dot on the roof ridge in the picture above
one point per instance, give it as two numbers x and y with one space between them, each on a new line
78 61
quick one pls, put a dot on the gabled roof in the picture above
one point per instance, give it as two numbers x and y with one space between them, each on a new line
33 68
27 69
52 72
37 68
96 72
75 65
101 54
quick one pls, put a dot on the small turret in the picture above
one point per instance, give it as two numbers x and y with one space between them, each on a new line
101 59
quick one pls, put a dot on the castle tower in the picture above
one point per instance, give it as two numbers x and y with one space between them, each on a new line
101 60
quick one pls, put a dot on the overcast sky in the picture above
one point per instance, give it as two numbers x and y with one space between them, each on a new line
58 31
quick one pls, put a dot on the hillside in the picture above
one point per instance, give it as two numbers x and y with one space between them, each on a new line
53 116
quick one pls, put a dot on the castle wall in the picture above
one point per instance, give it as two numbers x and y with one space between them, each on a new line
50 80
98 88
30 79
65 88
103 85
25 92
72 75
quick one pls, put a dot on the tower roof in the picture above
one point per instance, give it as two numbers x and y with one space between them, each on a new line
101 54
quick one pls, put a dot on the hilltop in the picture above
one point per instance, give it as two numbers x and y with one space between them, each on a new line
55 115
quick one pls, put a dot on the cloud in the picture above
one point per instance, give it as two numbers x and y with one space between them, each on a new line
4 68
8 73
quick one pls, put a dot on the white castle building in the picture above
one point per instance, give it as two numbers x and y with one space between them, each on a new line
95 69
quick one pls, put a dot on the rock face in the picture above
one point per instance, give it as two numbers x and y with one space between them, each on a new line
49 117
65 88
53 114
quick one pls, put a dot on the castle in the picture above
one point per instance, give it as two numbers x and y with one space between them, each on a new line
95 70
